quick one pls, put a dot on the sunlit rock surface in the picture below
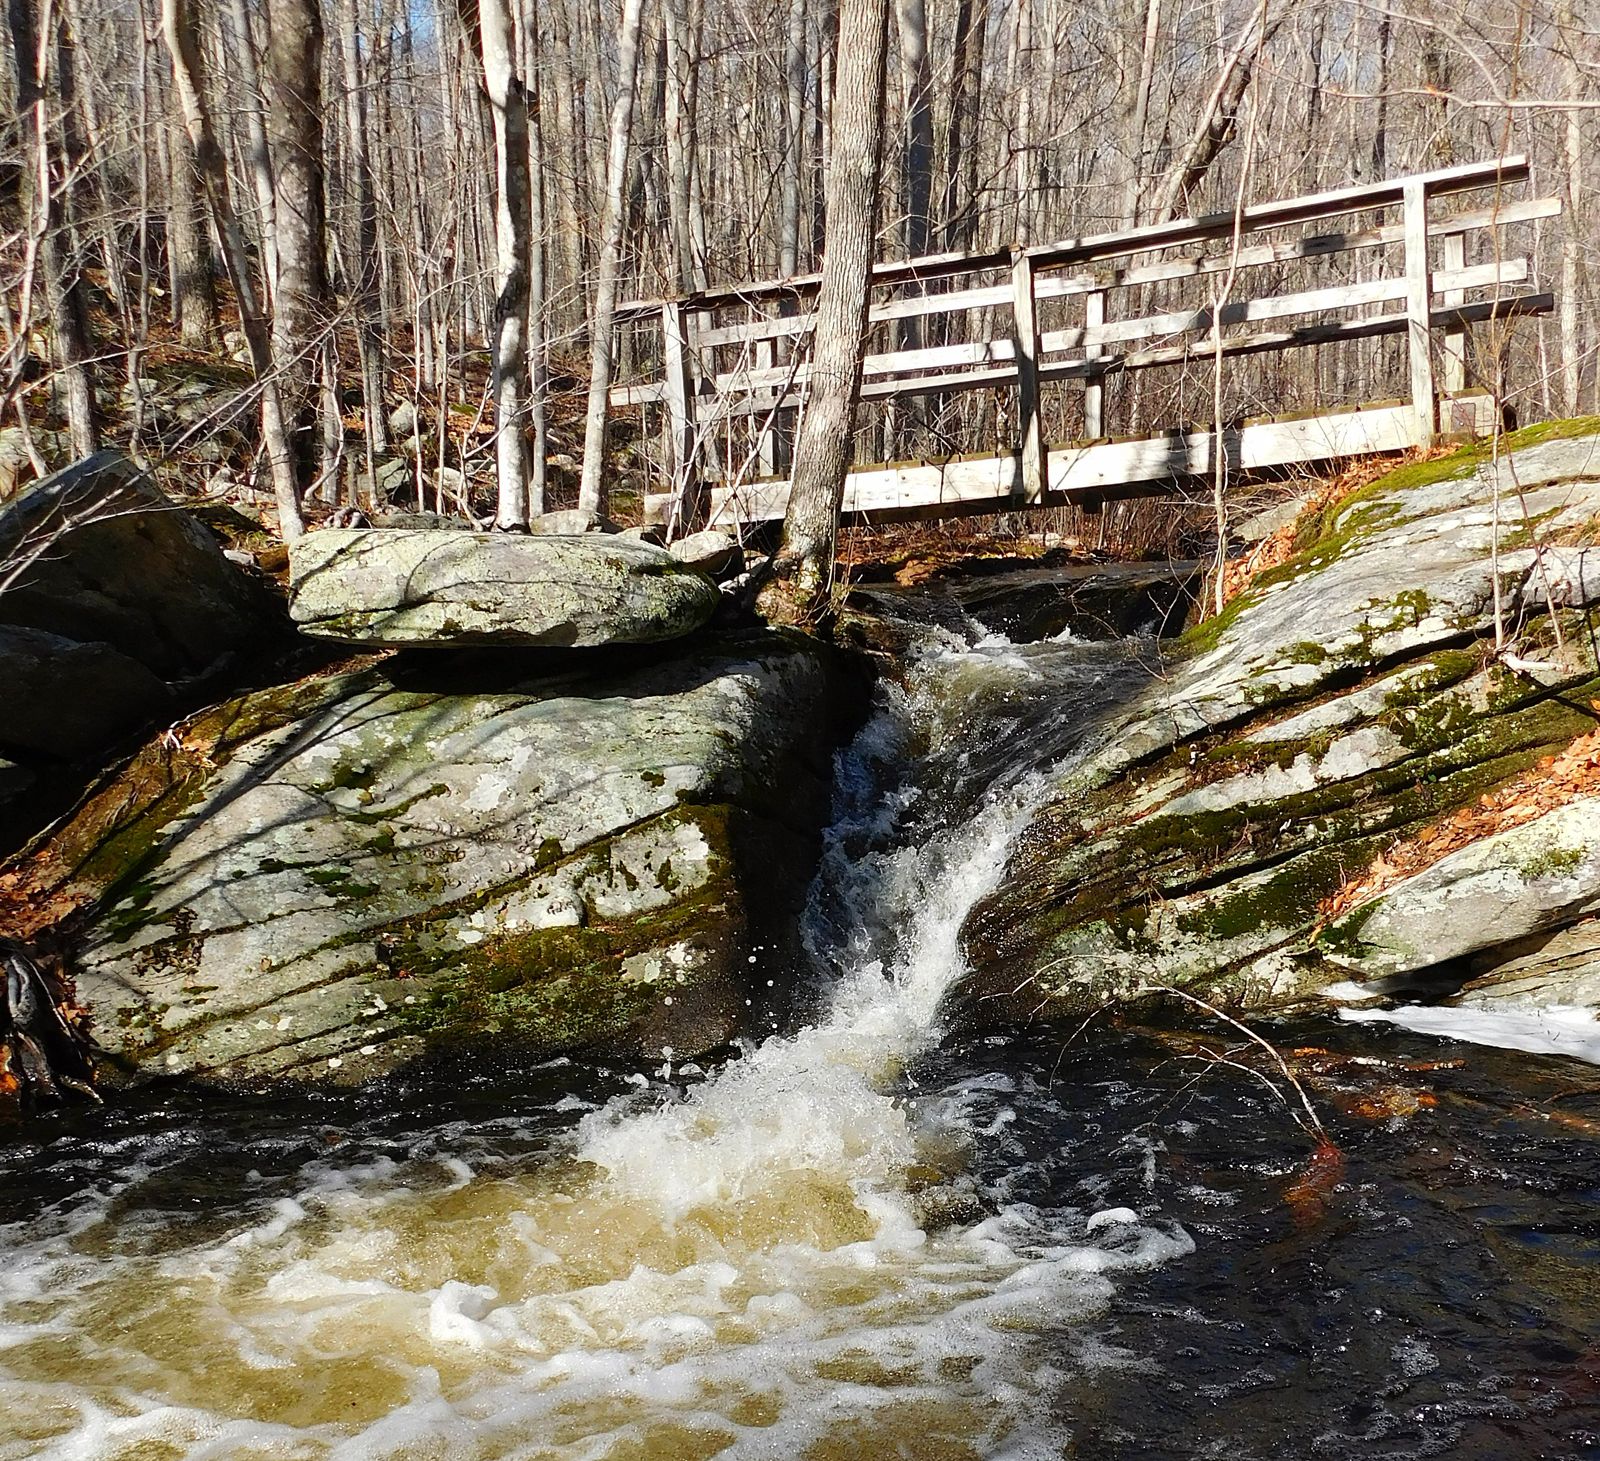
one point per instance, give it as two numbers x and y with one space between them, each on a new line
1343 703
404 588
345 875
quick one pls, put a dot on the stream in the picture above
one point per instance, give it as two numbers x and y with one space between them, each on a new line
887 1231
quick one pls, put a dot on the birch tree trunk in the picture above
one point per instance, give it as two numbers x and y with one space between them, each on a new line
593 492
822 452
488 24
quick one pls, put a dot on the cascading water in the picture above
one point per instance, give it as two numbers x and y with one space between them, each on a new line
873 1235
788 1257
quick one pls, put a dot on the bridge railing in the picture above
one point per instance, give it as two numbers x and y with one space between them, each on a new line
732 365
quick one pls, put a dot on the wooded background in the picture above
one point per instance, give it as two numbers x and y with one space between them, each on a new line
398 229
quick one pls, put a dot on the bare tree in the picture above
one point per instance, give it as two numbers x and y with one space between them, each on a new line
489 23
822 452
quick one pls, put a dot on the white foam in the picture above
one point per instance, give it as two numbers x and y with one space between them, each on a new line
1548 1030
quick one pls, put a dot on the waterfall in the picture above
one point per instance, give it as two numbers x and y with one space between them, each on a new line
785 1257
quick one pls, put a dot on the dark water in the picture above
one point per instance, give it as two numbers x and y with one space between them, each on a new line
1435 1292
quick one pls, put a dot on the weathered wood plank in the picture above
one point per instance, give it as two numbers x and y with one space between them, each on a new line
1254 343
1174 322
1104 470
1056 286
1025 348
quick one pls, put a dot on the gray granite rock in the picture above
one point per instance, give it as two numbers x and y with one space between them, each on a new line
413 860
409 588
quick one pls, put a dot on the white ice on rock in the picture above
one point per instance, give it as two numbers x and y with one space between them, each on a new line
1550 1030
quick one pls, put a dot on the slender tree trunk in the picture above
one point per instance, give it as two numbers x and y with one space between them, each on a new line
794 118
1139 123
294 130
257 154
593 493
363 266
488 22
1574 224
822 453
963 143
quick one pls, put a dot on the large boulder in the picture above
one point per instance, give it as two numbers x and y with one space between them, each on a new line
1344 705
329 881
97 553
406 588
117 608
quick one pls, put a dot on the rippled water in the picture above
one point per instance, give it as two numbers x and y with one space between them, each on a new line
873 1236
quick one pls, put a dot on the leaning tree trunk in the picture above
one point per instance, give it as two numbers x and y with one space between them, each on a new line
488 26
593 494
822 453
294 131
1218 114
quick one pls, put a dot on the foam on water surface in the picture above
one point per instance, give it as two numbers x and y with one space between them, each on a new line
786 1259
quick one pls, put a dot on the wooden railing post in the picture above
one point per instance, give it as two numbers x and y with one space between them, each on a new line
682 425
1455 339
1094 392
1025 340
1419 299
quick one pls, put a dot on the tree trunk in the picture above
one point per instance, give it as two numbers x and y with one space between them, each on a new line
294 132
257 155
488 23
593 493
363 266
194 294
1215 126
822 453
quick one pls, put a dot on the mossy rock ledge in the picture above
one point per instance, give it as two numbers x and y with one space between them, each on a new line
458 855
1341 705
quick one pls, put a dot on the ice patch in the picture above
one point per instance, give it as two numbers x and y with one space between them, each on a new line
1553 1030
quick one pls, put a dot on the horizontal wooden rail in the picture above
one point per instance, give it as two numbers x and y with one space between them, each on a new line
1443 182
900 363
1453 317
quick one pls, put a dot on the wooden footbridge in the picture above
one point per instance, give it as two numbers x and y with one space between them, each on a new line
1049 330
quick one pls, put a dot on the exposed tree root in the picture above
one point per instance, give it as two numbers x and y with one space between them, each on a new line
44 1040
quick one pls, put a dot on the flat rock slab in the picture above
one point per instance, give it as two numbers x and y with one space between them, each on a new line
404 588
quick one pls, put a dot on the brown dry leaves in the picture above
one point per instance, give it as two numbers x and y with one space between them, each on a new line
1556 780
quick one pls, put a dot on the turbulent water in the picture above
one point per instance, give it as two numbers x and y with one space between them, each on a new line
869 1236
